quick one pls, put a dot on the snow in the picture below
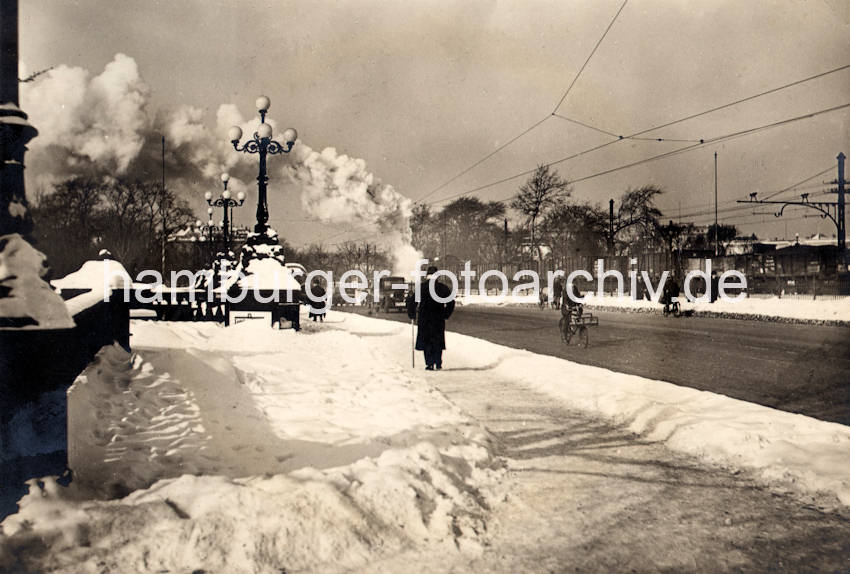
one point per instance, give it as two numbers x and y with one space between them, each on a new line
83 301
268 274
338 519
96 275
254 451
784 449
129 425
501 300
345 377
793 450
767 307
249 450
837 309
24 295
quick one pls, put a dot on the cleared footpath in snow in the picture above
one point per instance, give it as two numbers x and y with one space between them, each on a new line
265 451
610 472
589 496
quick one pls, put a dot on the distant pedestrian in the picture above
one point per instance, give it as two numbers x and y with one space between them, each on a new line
557 292
715 287
431 318
317 306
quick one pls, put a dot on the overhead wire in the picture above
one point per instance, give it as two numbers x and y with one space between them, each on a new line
536 124
642 132
583 66
678 151
796 185
709 210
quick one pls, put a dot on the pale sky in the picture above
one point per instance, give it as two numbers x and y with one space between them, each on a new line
421 90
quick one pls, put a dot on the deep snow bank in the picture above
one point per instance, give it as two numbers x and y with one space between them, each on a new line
311 520
199 407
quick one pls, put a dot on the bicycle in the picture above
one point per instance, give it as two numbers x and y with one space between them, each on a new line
574 325
672 308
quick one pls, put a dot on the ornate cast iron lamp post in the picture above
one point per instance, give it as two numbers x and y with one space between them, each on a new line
227 204
262 144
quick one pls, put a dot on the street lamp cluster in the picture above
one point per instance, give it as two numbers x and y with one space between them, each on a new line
262 144
227 203
262 244
208 229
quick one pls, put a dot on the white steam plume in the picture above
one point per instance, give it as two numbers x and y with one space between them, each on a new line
102 118
99 125
339 189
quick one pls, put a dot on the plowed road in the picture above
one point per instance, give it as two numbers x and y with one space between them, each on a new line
796 368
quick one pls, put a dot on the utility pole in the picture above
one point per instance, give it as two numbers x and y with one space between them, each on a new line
611 227
444 237
716 235
835 211
840 211
162 208
505 246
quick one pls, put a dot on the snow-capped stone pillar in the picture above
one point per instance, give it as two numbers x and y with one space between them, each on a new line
15 131
34 320
25 299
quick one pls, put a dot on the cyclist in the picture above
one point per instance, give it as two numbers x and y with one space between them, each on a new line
671 290
569 307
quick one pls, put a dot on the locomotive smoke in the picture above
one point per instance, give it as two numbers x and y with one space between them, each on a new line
336 188
100 126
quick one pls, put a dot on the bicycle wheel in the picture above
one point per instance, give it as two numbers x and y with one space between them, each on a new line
677 311
583 339
569 332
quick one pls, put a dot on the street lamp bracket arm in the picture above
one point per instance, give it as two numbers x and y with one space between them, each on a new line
275 147
251 146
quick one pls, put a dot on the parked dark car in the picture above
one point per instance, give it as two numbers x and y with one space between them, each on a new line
392 299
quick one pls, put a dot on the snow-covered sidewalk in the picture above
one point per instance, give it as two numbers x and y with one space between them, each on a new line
824 310
325 451
244 449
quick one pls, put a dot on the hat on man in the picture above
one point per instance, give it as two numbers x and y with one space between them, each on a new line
431 270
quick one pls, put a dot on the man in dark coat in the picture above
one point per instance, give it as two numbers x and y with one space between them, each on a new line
431 315
317 304
715 287
557 292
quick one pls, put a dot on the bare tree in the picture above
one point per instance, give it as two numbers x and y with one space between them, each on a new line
472 229
83 215
638 217
574 229
544 190
425 227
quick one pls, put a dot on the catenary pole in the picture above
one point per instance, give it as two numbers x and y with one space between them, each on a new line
716 245
162 208
840 208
